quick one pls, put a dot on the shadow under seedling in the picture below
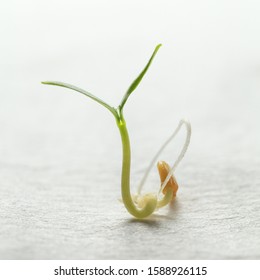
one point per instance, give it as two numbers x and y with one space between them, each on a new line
140 206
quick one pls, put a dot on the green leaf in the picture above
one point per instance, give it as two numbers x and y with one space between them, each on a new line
136 82
61 84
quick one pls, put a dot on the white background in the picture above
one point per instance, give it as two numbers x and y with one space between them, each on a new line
46 269
60 153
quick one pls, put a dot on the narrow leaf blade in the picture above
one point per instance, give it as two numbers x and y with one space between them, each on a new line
136 82
86 93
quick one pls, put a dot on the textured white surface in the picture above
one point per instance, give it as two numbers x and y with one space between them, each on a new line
60 154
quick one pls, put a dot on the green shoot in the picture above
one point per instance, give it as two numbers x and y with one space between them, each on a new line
137 205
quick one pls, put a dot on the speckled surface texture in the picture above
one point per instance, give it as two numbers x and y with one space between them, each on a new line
60 153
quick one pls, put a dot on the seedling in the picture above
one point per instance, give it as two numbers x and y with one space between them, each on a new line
140 206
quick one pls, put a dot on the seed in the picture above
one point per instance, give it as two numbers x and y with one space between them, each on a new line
164 169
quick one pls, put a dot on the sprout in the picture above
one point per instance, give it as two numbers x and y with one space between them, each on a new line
140 206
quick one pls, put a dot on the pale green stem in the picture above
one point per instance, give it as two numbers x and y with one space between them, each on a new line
125 176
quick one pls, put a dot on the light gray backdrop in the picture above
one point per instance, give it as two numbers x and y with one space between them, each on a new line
60 153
